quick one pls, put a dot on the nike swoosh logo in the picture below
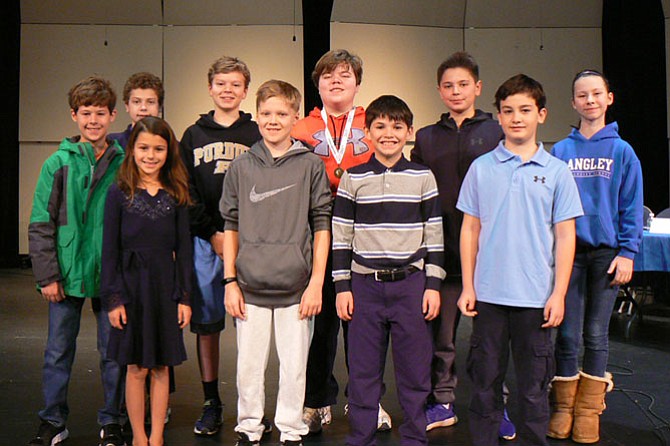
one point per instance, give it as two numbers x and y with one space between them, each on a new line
256 197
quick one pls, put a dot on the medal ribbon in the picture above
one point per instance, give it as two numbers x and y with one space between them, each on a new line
338 153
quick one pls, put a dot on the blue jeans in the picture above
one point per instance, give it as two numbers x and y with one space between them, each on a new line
588 308
64 322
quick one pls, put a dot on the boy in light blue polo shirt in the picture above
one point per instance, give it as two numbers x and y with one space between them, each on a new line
517 248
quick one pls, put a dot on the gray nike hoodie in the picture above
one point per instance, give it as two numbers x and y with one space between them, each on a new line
275 205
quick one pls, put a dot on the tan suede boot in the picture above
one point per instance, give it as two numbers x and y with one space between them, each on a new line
562 400
589 404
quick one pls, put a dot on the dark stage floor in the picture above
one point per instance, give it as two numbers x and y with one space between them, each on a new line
637 412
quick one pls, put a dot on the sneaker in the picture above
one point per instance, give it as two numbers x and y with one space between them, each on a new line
210 419
383 420
440 415
312 418
112 435
49 435
507 430
267 425
326 415
147 416
243 440
292 443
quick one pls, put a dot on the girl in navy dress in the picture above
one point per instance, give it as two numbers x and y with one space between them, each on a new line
609 178
146 270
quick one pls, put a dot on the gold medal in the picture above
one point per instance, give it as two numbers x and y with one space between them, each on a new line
339 172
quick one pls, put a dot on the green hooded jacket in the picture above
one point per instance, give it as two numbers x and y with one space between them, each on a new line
65 231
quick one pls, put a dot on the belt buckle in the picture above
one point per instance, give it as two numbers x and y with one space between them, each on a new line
377 273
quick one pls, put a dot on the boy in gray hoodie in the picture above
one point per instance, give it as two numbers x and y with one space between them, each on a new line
276 205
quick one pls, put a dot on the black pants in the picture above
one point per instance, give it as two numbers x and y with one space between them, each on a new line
494 329
321 387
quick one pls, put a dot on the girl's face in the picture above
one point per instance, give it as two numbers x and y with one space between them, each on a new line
591 98
150 153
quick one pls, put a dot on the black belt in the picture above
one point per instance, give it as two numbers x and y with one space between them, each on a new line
393 275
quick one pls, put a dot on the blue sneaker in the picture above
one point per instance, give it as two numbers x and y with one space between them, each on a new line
440 415
210 419
507 430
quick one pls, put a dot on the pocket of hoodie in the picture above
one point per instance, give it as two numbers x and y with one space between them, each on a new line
271 267
66 251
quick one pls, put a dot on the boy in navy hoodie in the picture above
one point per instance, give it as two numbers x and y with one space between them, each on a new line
208 147
448 147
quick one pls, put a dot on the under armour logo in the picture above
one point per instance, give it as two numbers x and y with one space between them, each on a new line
476 141
539 179
356 139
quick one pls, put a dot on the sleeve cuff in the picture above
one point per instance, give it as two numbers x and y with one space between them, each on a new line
433 283
342 285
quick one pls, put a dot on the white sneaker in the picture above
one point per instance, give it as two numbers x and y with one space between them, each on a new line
383 420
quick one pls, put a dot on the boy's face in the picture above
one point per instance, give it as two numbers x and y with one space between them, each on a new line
276 119
338 88
227 90
150 153
458 90
93 122
519 118
389 138
142 102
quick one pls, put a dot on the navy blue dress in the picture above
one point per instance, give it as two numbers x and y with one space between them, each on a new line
146 266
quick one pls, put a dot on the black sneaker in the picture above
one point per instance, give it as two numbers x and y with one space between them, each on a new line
49 435
210 419
112 435
243 440
292 443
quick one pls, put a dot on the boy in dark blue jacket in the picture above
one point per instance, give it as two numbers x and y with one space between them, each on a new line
448 147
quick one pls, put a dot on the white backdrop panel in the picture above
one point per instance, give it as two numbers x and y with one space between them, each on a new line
269 51
55 57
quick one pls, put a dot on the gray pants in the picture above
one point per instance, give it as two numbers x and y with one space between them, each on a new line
443 368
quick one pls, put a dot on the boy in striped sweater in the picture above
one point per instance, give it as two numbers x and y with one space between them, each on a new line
387 257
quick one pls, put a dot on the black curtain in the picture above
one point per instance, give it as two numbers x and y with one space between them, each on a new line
634 61
316 41
10 37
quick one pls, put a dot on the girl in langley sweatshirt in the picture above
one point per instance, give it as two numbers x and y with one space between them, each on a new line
609 178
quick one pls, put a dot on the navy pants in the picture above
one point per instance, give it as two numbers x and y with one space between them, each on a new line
494 329
383 309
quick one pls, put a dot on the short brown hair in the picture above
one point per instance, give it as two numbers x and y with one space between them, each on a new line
459 59
391 107
334 58
93 90
227 64
144 81
521 84
275 88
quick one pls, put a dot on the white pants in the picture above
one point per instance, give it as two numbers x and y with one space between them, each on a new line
292 337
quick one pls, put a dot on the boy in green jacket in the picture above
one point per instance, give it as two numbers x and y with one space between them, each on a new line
65 235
